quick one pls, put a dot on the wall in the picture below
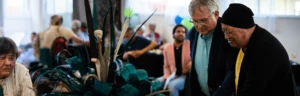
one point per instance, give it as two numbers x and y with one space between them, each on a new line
162 26
79 10
287 32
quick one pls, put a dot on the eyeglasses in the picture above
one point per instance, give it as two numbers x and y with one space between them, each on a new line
201 21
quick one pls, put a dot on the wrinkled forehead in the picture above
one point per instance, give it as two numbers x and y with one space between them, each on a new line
203 9
152 25
200 13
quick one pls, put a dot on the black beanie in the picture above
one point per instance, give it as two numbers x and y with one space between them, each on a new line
238 15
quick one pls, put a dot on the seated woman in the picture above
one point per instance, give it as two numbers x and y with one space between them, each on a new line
14 77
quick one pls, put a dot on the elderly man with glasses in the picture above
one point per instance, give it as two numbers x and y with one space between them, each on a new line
208 49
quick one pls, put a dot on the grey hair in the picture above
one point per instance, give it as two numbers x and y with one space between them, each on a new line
211 5
143 27
76 24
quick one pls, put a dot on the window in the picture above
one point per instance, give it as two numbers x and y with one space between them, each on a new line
297 8
16 8
270 7
60 7
16 19
21 17
260 7
148 6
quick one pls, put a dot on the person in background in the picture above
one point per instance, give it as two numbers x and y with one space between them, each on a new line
14 77
36 44
141 31
32 37
83 32
138 46
46 38
262 66
25 47
76 26
208 49
177 59
27 56
154 35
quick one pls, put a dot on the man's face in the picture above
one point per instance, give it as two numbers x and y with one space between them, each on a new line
179 34
235 36
204 21
128 35
83 29
140 32
32 37
7 64
152 27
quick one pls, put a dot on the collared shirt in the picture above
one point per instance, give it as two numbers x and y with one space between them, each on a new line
238 65
83 35
178 55
202 60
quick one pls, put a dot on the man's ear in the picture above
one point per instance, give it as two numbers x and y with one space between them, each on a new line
216 14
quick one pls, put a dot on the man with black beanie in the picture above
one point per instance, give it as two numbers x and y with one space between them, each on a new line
260 64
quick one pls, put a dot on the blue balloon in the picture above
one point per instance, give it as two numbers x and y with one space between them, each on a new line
178 19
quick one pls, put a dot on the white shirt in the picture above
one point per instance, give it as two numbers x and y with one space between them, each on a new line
52 33
83 35
18 83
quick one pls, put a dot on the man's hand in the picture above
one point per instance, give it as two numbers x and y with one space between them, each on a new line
187 68
137 53
161 48
126 54
87 43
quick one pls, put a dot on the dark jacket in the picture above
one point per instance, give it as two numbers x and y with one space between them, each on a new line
265 69
216 67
